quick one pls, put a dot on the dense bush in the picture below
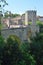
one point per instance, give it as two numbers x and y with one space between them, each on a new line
13 52
37 48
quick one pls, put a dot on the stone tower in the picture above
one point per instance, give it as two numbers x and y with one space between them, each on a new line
30 16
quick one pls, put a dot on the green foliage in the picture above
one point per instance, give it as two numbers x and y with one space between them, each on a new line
12 52
25 47
1 41
37 23
37 48
2 5
27 57
9 52
9 14
15 15
22 62
2 44
4 2
14 39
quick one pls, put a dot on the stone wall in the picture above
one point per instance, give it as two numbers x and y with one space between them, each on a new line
20 32
23 32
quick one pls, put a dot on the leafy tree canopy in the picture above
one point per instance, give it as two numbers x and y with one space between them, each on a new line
9 14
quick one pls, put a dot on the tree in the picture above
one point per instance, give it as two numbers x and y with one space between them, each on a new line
37 48
2 5
2 44
9 14
15 15
27 58
11 54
